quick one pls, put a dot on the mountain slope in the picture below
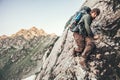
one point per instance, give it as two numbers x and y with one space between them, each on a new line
21 54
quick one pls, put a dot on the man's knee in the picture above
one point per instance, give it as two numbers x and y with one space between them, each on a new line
91 45
89 40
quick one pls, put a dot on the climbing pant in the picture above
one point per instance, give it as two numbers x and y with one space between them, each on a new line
84 44
80 42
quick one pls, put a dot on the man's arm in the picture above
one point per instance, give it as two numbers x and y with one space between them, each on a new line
87 23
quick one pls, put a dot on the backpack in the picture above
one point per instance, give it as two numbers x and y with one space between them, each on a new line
77 17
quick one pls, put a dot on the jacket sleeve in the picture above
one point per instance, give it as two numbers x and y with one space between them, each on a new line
87 22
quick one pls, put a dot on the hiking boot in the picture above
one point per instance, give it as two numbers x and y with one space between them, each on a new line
83 63
76 53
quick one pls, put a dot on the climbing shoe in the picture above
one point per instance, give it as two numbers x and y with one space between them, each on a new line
83 63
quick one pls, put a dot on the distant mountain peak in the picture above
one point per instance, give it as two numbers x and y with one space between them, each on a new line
38 31
3 36
30 33
23 51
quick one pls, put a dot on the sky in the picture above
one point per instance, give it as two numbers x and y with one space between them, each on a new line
49 15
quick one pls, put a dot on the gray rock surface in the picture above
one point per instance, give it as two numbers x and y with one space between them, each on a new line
57 62
103 62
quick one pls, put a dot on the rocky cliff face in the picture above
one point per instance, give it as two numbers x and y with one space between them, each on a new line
21 54
57 63
103 62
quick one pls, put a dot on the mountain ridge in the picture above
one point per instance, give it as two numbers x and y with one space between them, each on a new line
28 33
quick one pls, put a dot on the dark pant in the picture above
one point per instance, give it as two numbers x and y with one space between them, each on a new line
84 44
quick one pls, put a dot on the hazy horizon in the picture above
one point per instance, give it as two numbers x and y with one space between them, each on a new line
50 16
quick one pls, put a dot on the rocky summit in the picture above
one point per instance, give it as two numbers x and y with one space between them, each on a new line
30 59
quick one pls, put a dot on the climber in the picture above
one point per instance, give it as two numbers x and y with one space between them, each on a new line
84 36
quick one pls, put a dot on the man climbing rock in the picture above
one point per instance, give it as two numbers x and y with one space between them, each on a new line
83 35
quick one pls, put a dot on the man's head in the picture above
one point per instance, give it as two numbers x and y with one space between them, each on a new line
95 12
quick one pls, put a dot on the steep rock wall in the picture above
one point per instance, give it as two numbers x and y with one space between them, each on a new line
103 63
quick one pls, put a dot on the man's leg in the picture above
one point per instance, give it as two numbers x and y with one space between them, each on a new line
79 39
89 45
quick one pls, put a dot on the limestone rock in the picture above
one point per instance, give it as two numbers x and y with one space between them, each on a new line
102 63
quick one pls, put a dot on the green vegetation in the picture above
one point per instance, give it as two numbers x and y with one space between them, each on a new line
17 61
